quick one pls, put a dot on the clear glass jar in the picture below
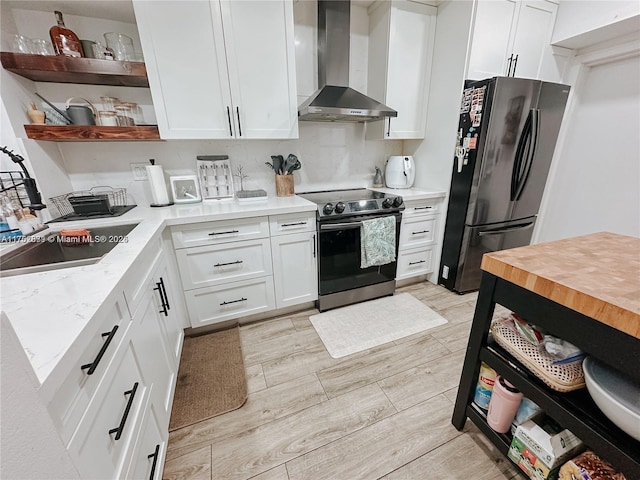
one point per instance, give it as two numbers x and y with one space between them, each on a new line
124 115
109 102
108 118
136 112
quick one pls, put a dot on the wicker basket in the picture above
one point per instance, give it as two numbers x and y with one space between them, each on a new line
560 377
117 197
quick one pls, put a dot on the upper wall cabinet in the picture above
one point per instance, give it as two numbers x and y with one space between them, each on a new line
401 38
512 38
220 69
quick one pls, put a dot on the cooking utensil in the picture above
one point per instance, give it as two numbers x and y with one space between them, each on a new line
278 162
79 114
294 167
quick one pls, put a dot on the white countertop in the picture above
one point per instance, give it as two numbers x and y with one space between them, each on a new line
50 310
411 193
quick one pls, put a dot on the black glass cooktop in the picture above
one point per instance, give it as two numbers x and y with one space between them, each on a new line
341 195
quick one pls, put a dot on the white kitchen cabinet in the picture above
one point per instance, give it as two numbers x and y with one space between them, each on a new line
295 268
223 263
209 305
220 68
418 238
401 40
72 397
101 445
150 450
512 38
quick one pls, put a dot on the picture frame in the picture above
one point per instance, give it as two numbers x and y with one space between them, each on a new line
185 189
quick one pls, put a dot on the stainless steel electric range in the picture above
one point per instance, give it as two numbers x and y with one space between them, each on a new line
341 280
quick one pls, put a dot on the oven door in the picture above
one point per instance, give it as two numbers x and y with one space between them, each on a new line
339 256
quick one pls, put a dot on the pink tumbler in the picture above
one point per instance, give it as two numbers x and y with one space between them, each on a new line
503 406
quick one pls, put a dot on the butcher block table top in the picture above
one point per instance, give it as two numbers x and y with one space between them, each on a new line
597 275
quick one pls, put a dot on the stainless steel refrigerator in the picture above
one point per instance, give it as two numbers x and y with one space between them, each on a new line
506 137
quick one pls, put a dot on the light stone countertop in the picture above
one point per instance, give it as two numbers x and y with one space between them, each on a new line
50 310
411 193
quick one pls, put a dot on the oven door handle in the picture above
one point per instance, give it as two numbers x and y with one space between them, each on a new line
340 226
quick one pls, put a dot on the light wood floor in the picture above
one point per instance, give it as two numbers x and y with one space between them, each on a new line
380 414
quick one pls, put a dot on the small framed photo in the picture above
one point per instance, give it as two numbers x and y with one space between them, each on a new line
185 189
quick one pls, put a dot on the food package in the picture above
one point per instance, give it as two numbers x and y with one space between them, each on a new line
540 446
588 466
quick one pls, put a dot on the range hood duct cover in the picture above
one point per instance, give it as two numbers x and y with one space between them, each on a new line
335 101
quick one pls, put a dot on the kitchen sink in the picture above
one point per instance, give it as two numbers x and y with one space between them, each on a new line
55 251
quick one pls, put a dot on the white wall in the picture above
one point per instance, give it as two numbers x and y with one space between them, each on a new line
582 23
595 179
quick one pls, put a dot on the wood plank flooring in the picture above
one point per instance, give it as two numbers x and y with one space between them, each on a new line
380 414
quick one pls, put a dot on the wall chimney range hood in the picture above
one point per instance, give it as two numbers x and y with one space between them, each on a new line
335 101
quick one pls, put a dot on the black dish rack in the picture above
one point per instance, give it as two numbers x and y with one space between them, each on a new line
97 202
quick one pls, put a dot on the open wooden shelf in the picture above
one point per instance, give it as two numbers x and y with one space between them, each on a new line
78 133
61 69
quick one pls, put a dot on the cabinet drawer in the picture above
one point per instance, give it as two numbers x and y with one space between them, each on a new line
207 233
421 207
117 405
227 262
416 232
72 398
292 223
225 302
412 263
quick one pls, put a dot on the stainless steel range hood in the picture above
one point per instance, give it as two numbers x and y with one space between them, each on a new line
335 101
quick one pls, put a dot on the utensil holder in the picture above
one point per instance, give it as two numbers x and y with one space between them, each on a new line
284 185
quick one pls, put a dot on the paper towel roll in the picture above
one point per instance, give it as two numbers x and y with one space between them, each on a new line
155 174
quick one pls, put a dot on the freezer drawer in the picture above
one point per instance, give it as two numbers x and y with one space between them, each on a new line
485 239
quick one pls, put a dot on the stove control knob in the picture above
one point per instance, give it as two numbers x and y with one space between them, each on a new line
397 202
328 209
340 206
387 203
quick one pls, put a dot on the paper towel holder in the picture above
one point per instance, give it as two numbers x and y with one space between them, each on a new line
152 161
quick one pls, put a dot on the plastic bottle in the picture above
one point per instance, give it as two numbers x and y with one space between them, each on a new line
484 387
503 406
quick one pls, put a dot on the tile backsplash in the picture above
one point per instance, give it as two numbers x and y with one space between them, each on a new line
333 155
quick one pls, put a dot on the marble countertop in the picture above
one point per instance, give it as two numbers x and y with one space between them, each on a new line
411 193
50 310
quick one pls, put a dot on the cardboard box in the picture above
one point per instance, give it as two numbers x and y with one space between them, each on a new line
540 447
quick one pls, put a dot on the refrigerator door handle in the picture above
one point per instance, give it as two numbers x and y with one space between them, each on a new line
526 146
500 231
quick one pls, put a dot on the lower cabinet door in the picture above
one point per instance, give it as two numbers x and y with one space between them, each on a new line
150 450
295 268
104 439
156 359
412 263
225 302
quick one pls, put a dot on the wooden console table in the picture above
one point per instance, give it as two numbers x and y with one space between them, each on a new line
585 290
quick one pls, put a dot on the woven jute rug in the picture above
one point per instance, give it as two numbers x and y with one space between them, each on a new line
211 378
